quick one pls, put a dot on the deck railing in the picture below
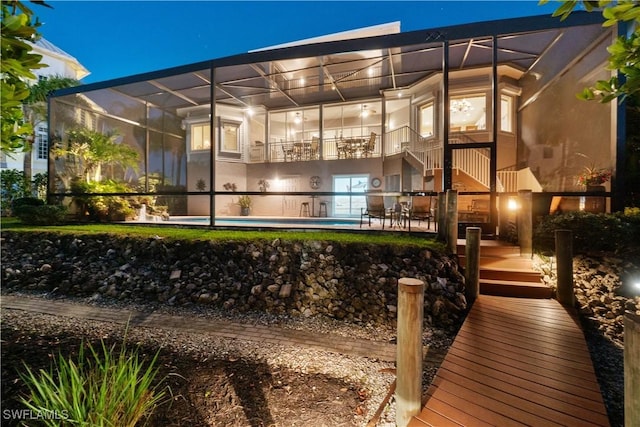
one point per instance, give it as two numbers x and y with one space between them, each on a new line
328 149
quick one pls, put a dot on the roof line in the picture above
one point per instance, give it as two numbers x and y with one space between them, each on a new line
454 32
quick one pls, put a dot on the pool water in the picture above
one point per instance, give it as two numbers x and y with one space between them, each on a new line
268 221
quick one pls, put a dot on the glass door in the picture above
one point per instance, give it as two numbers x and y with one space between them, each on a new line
349 205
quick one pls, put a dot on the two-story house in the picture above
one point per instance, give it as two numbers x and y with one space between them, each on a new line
483 108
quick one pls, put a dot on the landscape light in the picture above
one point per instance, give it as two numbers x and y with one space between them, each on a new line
512 204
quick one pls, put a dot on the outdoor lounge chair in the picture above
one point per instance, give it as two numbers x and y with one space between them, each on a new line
421 210
375 209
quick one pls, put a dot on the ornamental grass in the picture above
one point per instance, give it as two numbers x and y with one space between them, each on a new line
102 388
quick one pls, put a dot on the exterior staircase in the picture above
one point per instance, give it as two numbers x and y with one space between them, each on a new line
504 272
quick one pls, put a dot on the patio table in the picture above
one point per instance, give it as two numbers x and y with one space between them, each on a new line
301 150
354 145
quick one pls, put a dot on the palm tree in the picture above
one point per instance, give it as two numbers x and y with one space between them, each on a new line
35 111
87 151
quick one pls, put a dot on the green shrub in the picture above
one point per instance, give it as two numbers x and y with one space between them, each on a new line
591 232
26 201
41 214
101 388
13 185
103 208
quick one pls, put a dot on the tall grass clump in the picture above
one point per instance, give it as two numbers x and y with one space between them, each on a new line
102 388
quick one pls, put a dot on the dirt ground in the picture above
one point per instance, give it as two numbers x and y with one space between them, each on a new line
232 392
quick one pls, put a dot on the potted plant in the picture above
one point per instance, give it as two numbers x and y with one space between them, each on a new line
245 205
592 178
263 184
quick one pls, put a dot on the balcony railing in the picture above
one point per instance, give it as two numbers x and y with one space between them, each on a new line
327 149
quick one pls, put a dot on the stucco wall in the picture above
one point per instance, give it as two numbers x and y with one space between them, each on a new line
283 177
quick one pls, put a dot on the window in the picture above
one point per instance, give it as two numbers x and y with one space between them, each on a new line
200 136
468 112
229 136
42 142
426 119
89 121
506 113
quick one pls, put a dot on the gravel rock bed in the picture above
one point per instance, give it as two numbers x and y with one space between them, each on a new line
372 375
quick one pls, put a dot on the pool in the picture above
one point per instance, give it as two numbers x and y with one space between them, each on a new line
267 221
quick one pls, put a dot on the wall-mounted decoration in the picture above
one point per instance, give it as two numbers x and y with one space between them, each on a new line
314 182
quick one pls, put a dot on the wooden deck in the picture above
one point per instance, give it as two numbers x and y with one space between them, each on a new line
515 362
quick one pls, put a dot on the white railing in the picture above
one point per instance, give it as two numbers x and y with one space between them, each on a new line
302 151
403 139
474 163
508 181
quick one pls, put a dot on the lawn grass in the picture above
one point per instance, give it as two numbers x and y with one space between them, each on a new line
202 233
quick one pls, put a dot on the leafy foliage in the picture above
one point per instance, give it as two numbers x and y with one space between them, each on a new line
41 215
592 175
591 232
17 62
16 185
40 182
624 53
103 387
244 201
101 208
40 91
87 151
13 186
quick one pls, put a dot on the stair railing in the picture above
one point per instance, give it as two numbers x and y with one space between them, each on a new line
402 139
474 163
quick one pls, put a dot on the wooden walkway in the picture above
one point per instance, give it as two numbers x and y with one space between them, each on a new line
515 362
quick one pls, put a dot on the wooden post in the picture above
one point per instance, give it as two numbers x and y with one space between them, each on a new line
452 221
564 262
631 369
525 223
409 350
472 269
442 216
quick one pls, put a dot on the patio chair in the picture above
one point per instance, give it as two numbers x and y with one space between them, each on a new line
287 150
368 148
313 148
421 210
342 147
375 209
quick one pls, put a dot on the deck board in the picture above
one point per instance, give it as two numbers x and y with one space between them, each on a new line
516 362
